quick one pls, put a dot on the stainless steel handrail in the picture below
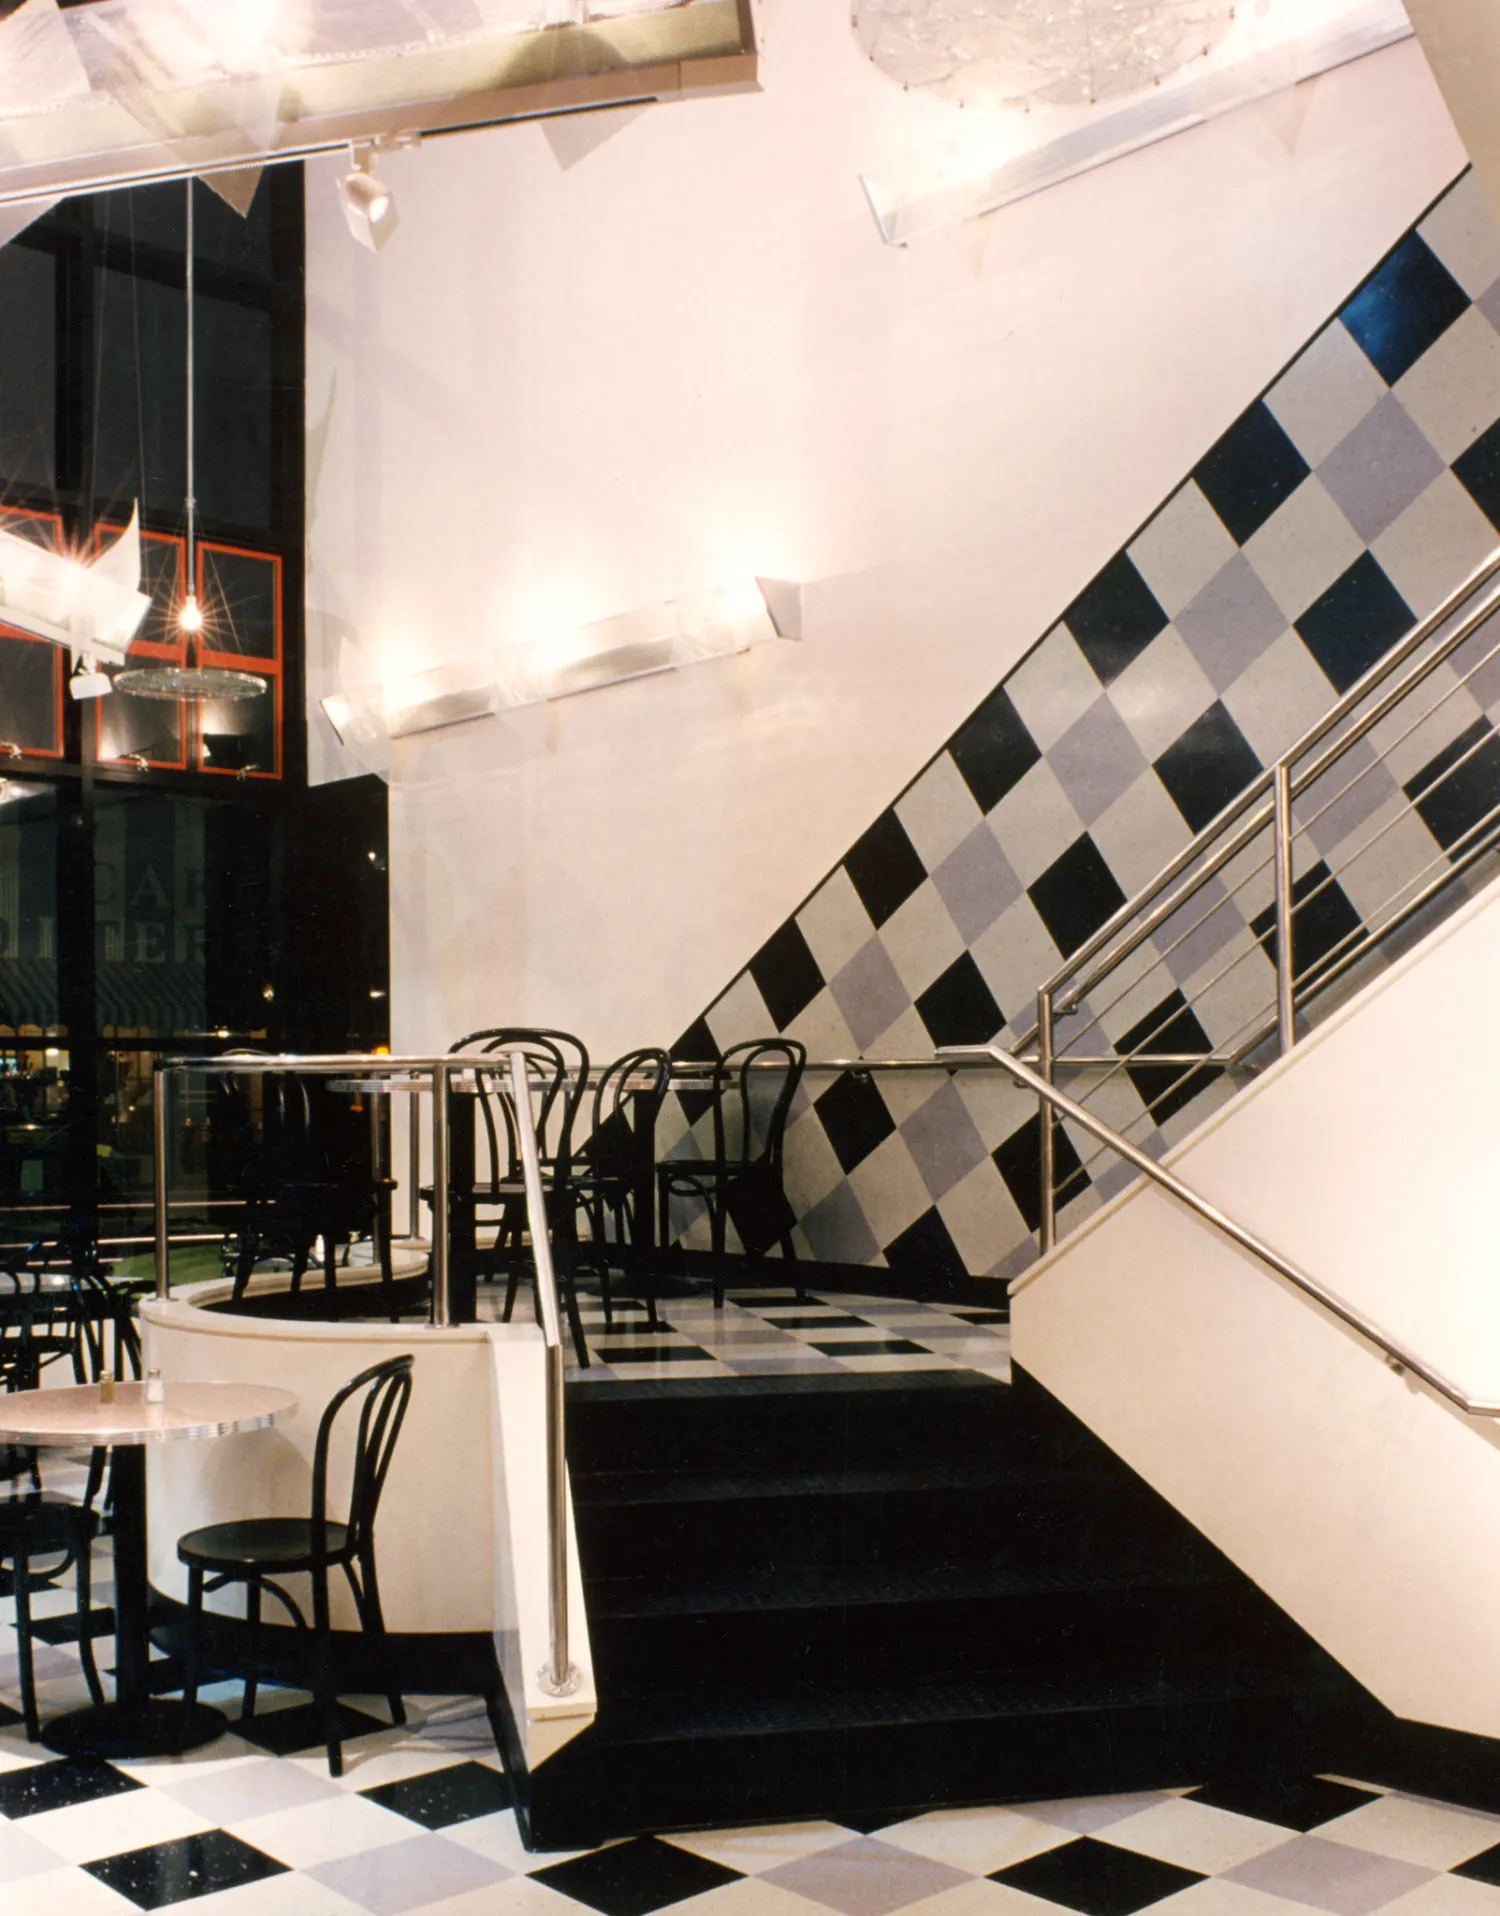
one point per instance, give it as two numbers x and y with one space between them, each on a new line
1399 1356
1259 787
559 1676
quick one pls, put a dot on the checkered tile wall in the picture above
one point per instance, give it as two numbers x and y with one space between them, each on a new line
1334 512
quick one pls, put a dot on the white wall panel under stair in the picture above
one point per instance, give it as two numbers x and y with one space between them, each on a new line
1361 1501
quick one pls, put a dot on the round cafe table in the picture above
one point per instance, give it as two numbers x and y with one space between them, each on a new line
134 1723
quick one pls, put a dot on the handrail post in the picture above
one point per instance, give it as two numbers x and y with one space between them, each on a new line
1281 787
558 1676
442 1300
160 1078
1046 1230
413 1170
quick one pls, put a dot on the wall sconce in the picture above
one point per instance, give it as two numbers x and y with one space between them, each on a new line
687 631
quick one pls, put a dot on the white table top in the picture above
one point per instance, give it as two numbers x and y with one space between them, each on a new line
75 1415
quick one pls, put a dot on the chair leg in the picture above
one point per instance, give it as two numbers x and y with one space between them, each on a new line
85 1581
716 1210
193 1656
21 1583
324 1689
366 1590
252 1623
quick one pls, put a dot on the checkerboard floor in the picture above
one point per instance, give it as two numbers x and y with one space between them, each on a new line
773 1333
420 1822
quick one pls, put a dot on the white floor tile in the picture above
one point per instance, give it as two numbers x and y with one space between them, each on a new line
86 1831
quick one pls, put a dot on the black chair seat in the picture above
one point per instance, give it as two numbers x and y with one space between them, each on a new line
256 1545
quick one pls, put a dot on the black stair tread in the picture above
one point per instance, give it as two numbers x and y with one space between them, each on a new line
679 1717
584 1397
616 1599
616 1489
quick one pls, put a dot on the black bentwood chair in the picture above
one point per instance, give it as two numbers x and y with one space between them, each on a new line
752 1090
299 1188
42 1533
558 1065
257 1550
613 1170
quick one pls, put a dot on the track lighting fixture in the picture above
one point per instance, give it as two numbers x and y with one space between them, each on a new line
368 203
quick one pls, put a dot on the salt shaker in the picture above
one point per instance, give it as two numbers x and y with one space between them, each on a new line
106 1387
155 1393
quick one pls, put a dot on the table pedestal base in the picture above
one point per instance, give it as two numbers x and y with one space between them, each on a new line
157 1727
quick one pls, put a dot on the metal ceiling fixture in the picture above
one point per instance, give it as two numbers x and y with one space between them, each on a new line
190 681
1038 52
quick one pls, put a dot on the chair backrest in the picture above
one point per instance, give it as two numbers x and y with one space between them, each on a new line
627 1099
752 1098
559 1064
387 1391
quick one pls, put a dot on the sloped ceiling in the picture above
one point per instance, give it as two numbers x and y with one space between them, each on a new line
119 92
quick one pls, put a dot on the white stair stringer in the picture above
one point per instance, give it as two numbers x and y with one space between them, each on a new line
1364 1504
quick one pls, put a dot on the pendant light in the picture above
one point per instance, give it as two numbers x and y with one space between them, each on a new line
190 681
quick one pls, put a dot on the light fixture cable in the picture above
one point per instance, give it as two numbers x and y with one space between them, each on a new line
190 681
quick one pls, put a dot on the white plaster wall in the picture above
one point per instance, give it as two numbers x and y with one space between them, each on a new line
1363 1503
563 392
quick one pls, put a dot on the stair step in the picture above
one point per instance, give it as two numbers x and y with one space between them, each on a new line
658 1718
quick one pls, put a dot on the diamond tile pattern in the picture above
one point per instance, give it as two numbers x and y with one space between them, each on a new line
453 1846
1336 510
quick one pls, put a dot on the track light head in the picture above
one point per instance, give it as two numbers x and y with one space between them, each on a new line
368 203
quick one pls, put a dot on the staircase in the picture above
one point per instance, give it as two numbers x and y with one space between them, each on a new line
861 1597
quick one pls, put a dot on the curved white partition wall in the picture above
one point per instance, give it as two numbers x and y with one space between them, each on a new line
461 1537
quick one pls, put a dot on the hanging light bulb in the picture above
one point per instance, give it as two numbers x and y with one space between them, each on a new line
369 205
189 681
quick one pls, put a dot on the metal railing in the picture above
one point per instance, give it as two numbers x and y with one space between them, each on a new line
437 1078
1394 792
1401 1358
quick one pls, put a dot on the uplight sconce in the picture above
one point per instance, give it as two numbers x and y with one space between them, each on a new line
632 645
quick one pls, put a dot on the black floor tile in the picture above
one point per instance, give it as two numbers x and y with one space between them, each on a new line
1295 1802
446 1796
57 1786
872 1347
807 1321
635 1877
190 1866
300 1727
651 1354
1483 1868
8 1716
1100 1879
972 1316
65 1629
